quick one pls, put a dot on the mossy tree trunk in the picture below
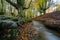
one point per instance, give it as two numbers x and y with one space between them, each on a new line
19 6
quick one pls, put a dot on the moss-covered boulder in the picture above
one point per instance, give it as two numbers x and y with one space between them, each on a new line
7 24
8 30
4 17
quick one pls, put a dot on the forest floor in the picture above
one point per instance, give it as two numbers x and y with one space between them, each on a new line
25 31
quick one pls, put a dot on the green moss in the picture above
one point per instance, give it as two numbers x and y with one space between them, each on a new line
2 13
4 17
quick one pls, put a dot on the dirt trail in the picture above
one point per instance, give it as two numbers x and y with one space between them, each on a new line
36 31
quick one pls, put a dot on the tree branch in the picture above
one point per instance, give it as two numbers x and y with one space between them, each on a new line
28 6
13 4
49 5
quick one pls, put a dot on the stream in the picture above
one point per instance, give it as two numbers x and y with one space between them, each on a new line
45 33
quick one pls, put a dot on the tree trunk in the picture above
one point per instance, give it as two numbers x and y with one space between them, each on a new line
2 5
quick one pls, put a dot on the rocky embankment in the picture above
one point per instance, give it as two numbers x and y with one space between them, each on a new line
9 26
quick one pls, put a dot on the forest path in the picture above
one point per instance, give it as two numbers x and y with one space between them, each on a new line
44 32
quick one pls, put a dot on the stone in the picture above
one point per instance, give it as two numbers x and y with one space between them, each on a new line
8 24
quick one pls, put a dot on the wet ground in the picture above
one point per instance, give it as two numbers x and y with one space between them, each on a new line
45 34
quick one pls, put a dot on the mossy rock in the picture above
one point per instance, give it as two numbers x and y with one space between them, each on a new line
4 17
8 24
